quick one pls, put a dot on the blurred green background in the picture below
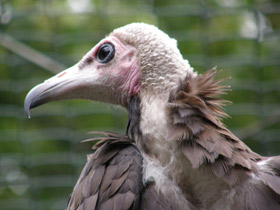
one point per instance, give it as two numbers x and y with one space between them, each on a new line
41 157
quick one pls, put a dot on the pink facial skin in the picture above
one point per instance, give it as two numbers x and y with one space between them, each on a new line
123 70
128 73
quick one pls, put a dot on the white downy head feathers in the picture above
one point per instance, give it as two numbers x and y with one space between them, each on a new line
161 63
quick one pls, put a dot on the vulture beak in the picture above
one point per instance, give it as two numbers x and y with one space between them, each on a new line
73 83
69 84
107 73
59 87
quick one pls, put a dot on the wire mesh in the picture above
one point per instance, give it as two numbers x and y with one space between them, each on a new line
41 158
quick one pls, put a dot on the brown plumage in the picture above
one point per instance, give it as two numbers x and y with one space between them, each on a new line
176 153
112 177
195 115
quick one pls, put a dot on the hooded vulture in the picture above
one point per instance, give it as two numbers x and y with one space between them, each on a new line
176 153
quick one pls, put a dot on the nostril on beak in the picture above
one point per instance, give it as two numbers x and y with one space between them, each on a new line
62 74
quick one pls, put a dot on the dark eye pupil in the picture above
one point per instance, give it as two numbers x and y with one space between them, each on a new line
105 53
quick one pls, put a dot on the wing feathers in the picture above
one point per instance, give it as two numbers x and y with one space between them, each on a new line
272 181
90 202
253 196
112 177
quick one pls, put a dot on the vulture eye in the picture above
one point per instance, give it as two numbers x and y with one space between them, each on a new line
105 53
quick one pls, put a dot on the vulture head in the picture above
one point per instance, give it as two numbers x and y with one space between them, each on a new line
132 59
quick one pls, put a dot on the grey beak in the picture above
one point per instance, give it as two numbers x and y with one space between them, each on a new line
39 95
72 83
61 86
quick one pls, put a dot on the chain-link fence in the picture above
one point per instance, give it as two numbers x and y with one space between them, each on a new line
41 158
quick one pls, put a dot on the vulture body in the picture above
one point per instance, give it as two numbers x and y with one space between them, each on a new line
176 153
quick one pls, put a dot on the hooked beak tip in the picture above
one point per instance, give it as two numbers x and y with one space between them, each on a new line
27 110
32 100
27 106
